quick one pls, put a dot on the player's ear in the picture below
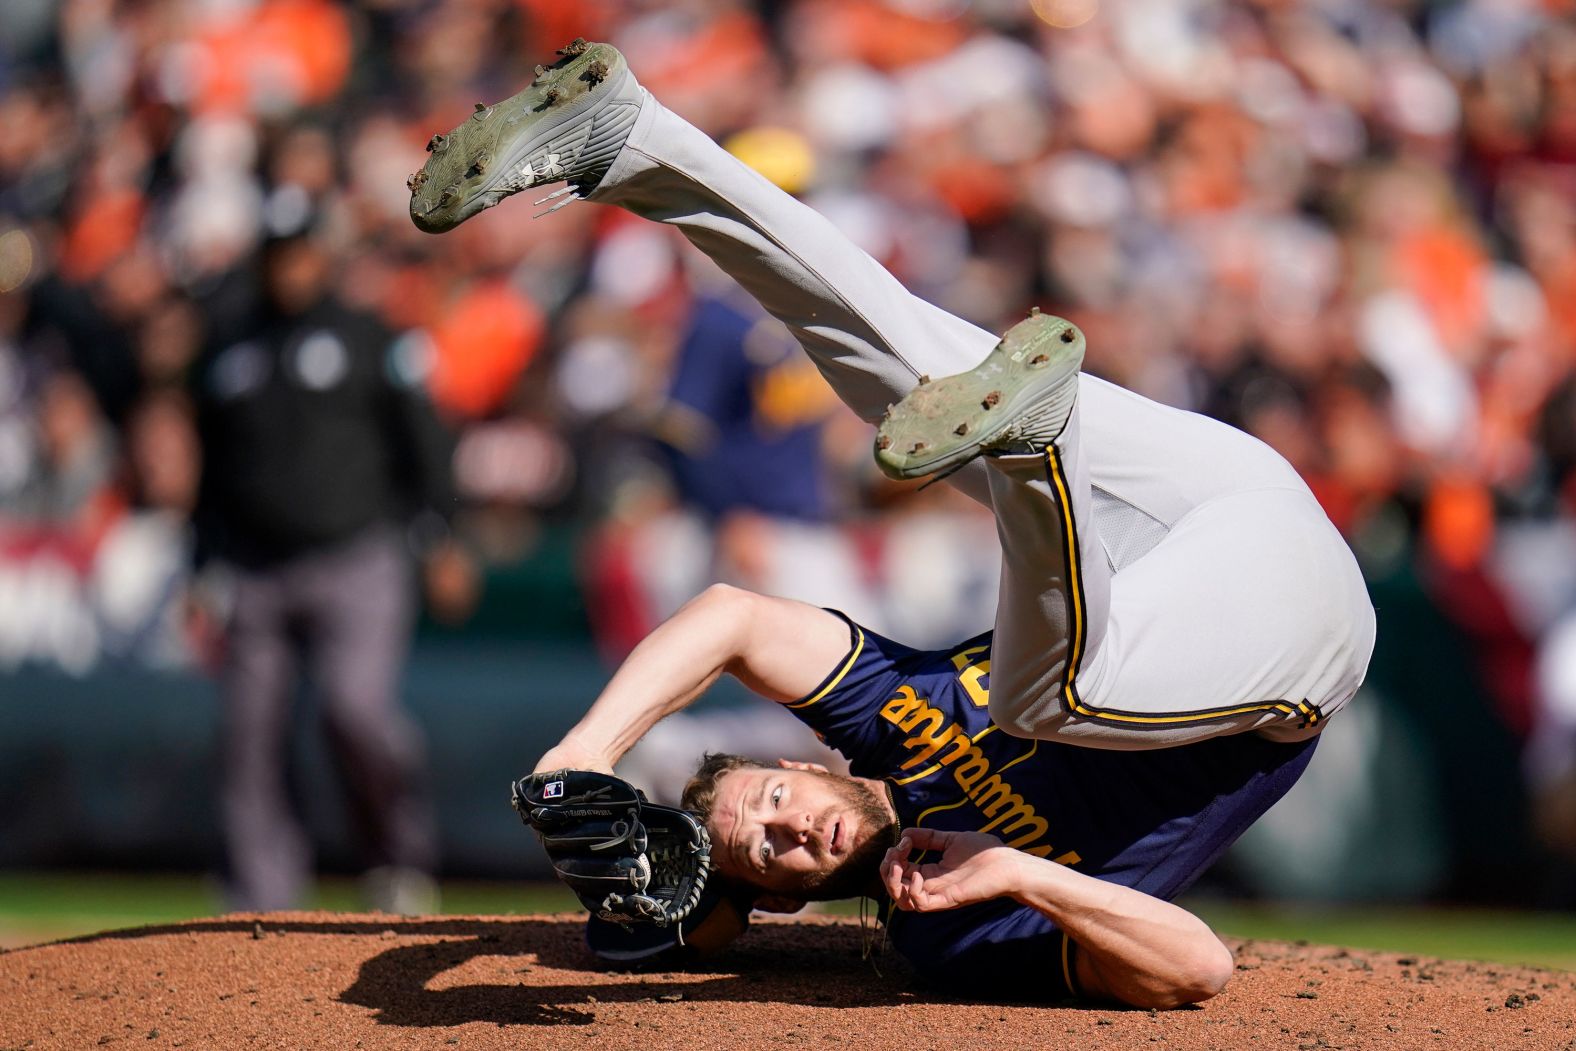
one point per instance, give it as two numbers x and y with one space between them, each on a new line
793 764
778 903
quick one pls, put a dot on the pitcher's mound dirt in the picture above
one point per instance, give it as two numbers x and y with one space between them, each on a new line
308 980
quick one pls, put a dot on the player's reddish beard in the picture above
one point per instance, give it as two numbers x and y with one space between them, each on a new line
853 875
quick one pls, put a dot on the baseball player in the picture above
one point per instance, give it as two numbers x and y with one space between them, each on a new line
1176 621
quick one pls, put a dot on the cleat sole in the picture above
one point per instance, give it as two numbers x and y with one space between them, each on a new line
943 423
490 156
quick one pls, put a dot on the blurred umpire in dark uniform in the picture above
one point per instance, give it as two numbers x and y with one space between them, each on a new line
325 471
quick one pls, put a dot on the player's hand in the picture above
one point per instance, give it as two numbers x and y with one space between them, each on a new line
972 867
569 756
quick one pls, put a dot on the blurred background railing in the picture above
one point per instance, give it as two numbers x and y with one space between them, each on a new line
1348 228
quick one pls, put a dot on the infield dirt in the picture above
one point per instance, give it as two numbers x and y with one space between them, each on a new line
313 980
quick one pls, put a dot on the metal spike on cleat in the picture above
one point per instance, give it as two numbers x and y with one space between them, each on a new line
574 196
555 193
595 73
577 46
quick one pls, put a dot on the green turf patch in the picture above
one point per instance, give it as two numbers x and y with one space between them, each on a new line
37 906
1540 939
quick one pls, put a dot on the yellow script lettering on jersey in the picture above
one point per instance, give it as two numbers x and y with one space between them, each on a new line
933 736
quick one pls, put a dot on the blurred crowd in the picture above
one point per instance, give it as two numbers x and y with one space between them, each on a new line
1348 227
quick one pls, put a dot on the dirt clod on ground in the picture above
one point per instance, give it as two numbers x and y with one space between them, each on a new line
309 980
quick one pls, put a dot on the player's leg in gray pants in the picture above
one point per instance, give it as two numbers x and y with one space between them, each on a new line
869 336
349 610
1249 613
269 859
1160 620
359 613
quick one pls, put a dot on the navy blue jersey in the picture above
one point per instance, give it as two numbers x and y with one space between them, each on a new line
1151 820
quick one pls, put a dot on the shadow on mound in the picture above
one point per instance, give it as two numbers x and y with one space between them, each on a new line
819 965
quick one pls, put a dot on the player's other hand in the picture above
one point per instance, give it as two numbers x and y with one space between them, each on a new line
570 756
972 867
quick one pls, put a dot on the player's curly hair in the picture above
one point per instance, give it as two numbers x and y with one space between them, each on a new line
700 792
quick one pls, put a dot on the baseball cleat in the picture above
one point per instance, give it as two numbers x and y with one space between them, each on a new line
1016 400
566 126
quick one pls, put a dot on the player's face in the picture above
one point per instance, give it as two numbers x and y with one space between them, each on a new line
808 835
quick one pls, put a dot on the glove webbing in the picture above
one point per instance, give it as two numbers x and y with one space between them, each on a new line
670 867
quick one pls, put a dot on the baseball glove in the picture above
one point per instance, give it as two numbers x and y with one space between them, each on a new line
628 861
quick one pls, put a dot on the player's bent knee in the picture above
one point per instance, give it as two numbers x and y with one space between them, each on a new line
1027 714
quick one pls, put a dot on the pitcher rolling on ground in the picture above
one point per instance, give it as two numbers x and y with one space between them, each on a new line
1176 621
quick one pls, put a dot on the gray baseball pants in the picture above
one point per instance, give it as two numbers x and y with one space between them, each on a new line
1165 579
347 612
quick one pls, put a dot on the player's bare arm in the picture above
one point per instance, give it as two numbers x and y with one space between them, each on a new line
1132 947
776 647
